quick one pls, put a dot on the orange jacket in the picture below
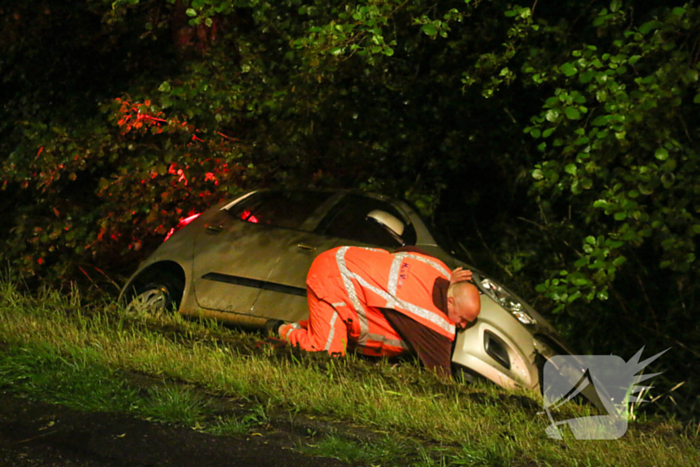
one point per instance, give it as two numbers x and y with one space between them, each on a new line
356 283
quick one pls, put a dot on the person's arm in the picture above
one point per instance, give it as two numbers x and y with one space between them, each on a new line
460 274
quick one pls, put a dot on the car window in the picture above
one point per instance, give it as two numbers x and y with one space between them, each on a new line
348 219
279 208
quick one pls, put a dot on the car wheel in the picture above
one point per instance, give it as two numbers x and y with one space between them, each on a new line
162 295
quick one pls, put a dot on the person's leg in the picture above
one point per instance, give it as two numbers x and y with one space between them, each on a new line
325 331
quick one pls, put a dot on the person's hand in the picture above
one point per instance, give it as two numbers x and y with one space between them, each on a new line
460 275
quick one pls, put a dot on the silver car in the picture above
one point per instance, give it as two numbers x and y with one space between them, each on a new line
245 261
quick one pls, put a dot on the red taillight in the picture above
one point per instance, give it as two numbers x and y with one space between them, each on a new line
247 216
181 224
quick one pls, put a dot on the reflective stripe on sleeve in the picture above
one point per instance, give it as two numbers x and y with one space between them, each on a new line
416 310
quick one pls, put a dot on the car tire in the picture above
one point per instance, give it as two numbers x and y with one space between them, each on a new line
162 294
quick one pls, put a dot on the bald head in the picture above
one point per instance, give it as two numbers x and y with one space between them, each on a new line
463 303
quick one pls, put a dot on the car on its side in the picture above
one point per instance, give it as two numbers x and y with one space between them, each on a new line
245 262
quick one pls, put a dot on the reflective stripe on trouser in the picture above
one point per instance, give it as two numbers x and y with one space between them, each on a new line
325 331
285 329
379 345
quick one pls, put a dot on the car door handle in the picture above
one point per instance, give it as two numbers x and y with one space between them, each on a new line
302 246
215 228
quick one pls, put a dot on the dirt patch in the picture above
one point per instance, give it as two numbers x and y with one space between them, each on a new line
39 434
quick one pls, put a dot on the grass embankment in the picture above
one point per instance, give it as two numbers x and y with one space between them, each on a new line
56 351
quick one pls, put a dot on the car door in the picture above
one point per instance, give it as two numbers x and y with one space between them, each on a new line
342 221
283 295
238 248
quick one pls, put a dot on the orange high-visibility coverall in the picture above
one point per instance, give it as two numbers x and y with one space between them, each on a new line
346 288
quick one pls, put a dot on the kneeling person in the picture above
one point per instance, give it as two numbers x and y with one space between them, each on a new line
384 304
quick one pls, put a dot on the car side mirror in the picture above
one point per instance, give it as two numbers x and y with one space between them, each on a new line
390 223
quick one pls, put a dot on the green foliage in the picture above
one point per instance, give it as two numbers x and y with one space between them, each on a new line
621 149
112 183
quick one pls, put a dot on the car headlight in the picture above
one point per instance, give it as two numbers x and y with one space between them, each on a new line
507 301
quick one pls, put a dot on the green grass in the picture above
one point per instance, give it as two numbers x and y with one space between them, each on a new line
91 352
79 383
382 451
176 405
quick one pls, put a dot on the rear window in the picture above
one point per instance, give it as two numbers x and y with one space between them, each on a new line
279 208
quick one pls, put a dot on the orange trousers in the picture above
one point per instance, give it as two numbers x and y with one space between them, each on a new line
325 330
